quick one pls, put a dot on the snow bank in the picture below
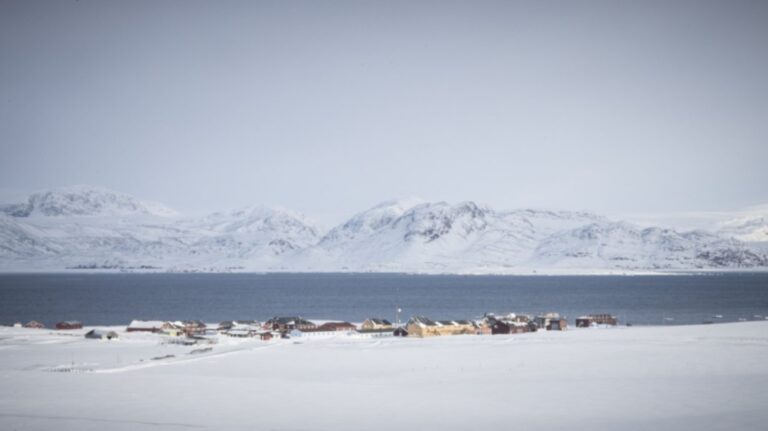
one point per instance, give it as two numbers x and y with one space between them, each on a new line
706 377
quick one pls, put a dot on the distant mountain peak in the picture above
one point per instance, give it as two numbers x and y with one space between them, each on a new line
84 200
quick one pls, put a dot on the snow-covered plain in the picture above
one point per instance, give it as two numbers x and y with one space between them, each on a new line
705 377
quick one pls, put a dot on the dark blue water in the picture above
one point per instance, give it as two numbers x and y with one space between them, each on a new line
106 299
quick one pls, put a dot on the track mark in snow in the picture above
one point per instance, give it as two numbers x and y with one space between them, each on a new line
182 360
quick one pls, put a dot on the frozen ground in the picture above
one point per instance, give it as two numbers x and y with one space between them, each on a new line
708 377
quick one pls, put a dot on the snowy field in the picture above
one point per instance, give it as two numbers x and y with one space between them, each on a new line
707 377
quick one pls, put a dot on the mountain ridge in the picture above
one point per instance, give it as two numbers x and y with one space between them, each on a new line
92 228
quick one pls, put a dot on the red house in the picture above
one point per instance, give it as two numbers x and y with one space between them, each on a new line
69 324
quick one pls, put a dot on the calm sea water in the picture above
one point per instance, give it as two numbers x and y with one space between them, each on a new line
116 299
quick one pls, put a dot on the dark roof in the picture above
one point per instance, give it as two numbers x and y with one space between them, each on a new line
296 320
423 320
380 321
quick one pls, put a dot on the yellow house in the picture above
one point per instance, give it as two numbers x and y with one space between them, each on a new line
420 326
376 324
172 332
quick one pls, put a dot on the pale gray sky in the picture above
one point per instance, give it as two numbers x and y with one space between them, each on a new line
330 107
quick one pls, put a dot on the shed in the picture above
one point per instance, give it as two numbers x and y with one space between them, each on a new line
557 325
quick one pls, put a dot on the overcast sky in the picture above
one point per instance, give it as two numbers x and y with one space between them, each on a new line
330 107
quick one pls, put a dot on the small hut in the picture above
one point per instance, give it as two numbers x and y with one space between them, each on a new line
69 324
34 324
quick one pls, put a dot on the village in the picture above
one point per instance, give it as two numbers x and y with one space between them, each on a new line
238 374
296 327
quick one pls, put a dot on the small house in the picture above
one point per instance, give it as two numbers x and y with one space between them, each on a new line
596 319
326 330
551 322
336 326
509 327
230 324
287 324
191 327
147 326
375 324
172 331
251 325
400 332
100 334
225 325
557 325
34 324
500 327
69 324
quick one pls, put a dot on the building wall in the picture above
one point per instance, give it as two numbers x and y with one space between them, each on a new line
436 331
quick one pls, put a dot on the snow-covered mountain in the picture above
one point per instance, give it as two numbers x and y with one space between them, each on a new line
93 228
84 201
255 232
421 236
468 237
751 226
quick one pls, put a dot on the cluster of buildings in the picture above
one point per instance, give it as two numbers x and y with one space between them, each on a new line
417 326
299 327
34 324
